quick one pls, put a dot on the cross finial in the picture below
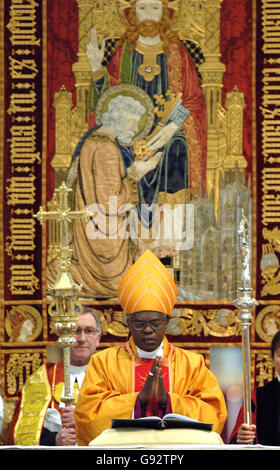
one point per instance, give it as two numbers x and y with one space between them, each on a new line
64 308
64 216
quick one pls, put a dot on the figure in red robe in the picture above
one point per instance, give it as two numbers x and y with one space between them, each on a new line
152 57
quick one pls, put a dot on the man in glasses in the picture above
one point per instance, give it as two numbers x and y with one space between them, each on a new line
147 375
55 424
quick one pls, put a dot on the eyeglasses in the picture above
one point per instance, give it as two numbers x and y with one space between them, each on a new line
154 324
87 331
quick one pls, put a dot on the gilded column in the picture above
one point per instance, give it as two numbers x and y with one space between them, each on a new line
235 104
63 104
81 68
212 71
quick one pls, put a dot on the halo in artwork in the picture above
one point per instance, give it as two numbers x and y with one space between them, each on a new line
146 121
17 317
268 322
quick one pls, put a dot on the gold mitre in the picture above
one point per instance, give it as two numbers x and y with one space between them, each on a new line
147 285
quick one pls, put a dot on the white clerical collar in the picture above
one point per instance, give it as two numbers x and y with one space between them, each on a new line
77 369
150 354
77 372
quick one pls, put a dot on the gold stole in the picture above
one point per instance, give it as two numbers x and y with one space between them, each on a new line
36 396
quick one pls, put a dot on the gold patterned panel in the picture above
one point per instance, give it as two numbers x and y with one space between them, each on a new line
270 271
216 322
20 365
9 407
264 368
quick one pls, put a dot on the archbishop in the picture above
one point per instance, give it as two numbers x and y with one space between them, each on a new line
147 375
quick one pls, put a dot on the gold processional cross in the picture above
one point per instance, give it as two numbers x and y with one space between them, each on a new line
65 308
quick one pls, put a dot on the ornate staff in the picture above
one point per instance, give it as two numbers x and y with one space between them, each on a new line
245 303
65 308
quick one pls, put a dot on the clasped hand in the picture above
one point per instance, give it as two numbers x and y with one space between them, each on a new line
246 434
142 167
67 435
154 385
